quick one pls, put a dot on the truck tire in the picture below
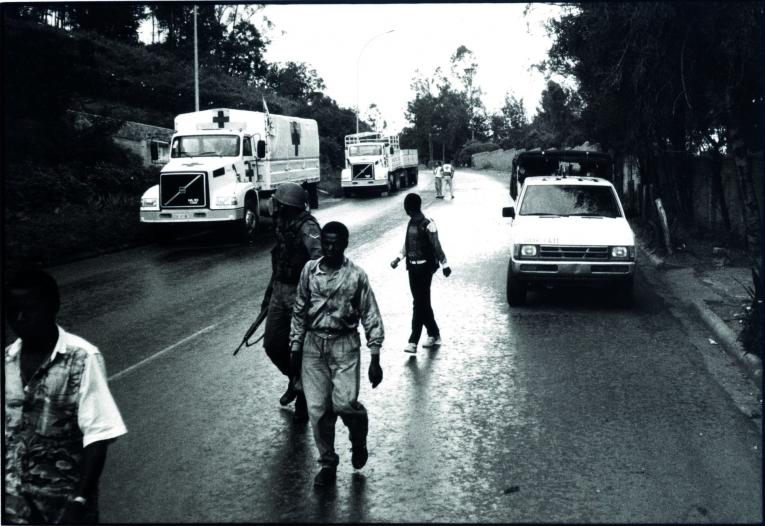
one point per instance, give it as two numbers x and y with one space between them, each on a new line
313 195
516 289
415 176
248 225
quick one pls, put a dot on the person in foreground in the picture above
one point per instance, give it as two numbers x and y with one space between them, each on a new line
333 296
59 413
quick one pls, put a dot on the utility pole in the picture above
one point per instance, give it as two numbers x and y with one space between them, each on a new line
196 64
358 65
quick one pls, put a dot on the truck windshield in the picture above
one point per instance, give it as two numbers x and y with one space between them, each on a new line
364 149
205 146
569 200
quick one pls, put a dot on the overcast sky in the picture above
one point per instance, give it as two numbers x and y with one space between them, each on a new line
330 39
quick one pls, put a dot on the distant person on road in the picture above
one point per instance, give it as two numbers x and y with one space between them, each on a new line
297 242
59 413
423 253
333 296
448 174
438 175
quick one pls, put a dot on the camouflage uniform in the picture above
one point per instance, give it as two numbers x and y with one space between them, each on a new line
297 242
64 407
328 308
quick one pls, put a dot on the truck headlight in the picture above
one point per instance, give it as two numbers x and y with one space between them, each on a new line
226 200
529 251
148 202
620 252
345 175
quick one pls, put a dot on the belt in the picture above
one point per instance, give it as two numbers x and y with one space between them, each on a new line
332 332
417 261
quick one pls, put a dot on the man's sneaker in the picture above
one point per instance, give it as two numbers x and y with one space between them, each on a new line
289 395
432 341
411 348
325 477
359 455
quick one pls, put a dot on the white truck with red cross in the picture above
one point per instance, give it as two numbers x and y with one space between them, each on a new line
374 161
224 166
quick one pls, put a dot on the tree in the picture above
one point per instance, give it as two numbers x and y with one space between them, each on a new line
240 52
557 118
116 20
295 79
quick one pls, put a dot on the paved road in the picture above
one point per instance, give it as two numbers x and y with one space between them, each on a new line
569 409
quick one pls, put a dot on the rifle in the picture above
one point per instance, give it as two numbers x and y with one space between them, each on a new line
252 329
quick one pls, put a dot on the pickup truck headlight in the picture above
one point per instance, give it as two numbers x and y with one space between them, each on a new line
621 252
226 200
148 202
528 251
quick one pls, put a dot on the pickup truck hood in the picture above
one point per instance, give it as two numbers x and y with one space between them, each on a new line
194 164
572 230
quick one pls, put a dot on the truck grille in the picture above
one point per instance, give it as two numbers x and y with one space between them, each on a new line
363 171
564 252
183 190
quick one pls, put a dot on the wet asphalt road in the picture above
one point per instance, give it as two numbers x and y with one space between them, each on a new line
567 410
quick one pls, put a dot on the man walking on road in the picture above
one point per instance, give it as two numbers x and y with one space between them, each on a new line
59 413
448 174
297 242
438 175
332 297
422 251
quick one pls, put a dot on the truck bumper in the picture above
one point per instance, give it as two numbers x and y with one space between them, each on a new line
364 183
191 216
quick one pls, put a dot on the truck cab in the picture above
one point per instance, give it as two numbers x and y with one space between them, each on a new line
224 165
375 161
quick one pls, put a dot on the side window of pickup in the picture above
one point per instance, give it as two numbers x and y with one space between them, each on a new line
247 147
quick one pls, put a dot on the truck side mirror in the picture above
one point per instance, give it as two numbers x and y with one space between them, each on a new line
508 211
261 149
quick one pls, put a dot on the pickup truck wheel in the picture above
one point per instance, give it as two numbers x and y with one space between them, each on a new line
248 225
516 289
347 192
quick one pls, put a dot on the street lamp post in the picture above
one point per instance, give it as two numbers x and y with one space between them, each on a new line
358 63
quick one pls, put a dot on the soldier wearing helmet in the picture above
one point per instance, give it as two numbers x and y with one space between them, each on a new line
298 240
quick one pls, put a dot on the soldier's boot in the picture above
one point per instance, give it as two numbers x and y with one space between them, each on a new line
301 409
289 395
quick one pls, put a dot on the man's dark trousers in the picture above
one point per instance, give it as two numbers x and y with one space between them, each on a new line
420 278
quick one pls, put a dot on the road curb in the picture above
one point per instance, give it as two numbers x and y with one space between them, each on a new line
727 338
751 364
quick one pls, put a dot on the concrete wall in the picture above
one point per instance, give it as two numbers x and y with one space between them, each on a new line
496 159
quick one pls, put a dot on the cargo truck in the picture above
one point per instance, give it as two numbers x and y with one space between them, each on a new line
375 162
224 166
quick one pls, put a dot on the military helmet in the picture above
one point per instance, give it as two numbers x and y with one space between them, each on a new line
291 194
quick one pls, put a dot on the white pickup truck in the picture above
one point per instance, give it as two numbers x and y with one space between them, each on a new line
374 161
569 230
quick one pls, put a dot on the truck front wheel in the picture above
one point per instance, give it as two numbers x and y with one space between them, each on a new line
248 225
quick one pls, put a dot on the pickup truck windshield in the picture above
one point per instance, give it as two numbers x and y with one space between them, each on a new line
569 200
205 146
364 149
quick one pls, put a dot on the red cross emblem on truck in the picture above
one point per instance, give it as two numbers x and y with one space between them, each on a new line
295 132
221 119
